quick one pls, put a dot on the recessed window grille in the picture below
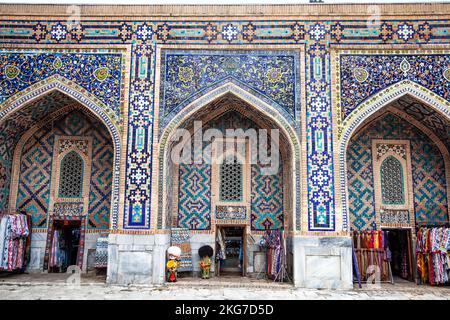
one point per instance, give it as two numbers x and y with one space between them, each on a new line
71 176
392 185
231 181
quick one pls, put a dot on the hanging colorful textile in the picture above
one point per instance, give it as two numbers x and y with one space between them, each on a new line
55 251
276 257
371 250
14 236
432 252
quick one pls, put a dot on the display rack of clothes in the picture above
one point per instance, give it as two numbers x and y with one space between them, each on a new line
57 252
371 250
15 240
432 252
276 254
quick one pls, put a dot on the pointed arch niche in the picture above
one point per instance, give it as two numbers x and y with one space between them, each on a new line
404 111
211 106
225 113
40 105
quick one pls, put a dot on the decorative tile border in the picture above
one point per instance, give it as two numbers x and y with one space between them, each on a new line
231 213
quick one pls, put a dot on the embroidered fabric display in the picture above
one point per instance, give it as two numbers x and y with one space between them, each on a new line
433 255
221 249
272 239
371 250
56 252
181 238
14 241
101 253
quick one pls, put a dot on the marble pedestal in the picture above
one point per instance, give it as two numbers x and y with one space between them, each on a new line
137 259
322 262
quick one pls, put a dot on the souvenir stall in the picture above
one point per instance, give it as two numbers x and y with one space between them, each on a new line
65 245
15 240
399 243
230 250
385 252
181 238
371 249
432 255
274 242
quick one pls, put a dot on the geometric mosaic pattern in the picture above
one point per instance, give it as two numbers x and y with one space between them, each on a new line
230 120
231 181
101 181
140 129
36 168
430 193
66 144
361 196
398 149
432 119
267 200
35 176
79 124
15 125
428 172
194 201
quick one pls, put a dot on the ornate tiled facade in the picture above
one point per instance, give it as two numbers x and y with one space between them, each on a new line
318 73
428 173
315 37
99 74
430 71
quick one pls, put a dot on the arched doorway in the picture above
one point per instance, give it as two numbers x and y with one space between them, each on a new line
59 167
233 198
397 174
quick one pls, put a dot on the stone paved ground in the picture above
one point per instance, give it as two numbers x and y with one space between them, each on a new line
54 287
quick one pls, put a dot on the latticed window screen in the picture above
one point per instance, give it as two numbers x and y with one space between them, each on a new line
71 176
392 185
231 180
